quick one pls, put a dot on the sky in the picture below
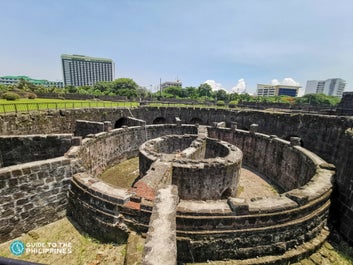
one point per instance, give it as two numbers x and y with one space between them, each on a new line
230 44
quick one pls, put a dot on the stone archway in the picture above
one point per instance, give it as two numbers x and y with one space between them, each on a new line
196 120
159 120
120 123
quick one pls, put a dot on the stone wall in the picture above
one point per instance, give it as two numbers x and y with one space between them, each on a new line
324 135
105 149
345 107
56 121
22 149
83 128
160 246
286 166
32 195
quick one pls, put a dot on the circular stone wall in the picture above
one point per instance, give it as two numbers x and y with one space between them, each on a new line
231 228
202 168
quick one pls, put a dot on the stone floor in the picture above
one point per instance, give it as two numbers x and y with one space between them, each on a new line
252 184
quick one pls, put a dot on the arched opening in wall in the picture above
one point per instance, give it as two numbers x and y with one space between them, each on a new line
159 120
292 135
226 193
120 123
196 120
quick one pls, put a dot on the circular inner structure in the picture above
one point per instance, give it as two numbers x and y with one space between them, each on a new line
201 168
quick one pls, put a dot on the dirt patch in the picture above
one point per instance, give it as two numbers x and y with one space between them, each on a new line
252 184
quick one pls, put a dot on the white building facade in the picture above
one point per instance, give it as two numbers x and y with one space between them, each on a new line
266 90
330 87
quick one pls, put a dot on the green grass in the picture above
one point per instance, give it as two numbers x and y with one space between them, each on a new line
179 105
122 174
25 105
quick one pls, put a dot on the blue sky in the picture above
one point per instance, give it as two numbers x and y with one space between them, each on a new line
224 41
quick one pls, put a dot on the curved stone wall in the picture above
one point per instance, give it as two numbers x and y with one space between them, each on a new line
210 176
233 228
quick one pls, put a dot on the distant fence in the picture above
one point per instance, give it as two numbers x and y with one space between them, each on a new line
42 106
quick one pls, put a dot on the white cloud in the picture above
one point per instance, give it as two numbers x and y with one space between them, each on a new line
286 81
240 87
275 82
214 85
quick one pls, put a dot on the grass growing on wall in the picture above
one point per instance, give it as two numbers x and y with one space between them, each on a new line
25 105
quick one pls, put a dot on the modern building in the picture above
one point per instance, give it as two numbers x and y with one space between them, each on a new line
264 90
80 70
330 87
10 80
171 83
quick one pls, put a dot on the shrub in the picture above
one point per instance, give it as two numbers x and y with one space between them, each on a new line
10 96
220 103
31 96
233 104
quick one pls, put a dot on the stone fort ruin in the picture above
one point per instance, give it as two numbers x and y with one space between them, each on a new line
185 197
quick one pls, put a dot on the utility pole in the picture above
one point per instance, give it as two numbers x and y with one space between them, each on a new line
160 87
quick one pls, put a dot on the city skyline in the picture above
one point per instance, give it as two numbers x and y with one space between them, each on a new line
227 43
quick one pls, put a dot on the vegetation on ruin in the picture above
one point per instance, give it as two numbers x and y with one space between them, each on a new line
122 174
45 104
85 249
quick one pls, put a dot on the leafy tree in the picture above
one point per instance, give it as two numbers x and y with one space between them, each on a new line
191 92
25 85
318 100
205 90
245 97
104 87
176 91
221 95
124 87
234 96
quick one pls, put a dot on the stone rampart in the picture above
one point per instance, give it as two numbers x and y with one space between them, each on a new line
19 149
32 195
328 136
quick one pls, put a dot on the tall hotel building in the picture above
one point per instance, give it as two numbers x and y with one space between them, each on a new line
80 70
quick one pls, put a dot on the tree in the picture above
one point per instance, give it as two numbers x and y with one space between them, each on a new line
124 87
318 100
176 91
205 90
190 92
221 95
104 87
25 85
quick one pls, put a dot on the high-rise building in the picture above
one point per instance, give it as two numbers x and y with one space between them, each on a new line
264 90
80 70
10 80
330 87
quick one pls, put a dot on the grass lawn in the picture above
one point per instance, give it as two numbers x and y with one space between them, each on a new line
24 105
122 174
186 105
80 248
